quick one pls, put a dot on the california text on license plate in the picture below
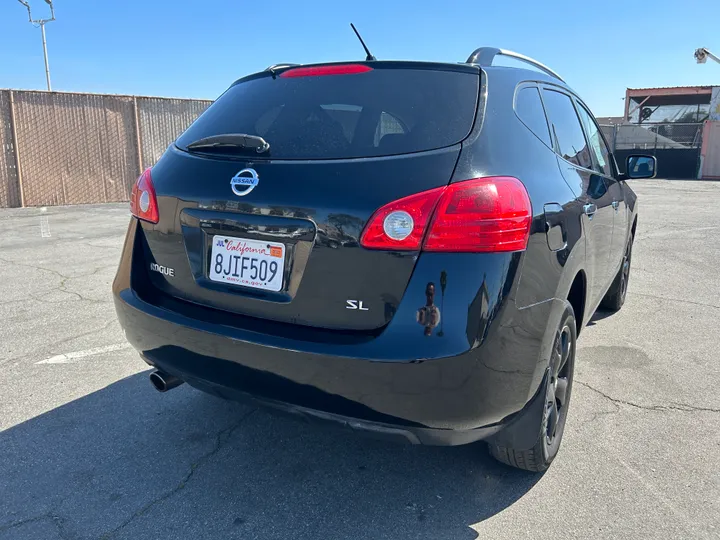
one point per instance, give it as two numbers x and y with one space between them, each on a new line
250 263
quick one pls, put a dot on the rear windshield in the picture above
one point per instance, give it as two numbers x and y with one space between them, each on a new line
376 113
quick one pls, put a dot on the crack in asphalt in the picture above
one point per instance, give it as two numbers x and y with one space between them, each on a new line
34 354
683 301
34 267
13 524
57 520
597 415
38 297
62 287
117 239
682 407
221 438
60 275
674 230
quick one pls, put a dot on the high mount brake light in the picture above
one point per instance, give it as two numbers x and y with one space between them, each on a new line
343 69
143 202
474 216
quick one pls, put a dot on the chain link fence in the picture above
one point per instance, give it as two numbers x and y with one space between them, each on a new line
676 145
64 148
657 136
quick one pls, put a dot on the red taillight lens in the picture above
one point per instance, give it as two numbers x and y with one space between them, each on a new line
344 69
143 202
480 215
388 226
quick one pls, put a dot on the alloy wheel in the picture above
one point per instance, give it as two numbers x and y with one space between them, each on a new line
625 276
559 386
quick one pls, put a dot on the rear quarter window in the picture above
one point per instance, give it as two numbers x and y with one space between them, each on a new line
381 112
530 111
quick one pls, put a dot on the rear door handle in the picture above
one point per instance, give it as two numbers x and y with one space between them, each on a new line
590 210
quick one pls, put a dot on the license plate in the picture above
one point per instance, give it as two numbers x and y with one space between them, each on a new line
250 263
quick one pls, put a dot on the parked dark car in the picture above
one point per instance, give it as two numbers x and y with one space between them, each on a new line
403 248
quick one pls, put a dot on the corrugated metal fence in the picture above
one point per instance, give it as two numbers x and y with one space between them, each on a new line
9 189
63 148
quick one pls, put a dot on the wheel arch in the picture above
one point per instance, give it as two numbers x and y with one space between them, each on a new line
572 290
577 297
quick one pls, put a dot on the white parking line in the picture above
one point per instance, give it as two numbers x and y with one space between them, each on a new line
71 357
44 227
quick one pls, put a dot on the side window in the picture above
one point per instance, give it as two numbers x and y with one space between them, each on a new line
565 125
388 125
597 143
266 119
346 116
530 111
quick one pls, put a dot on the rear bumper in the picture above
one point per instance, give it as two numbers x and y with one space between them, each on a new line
374 429
436 402
384 385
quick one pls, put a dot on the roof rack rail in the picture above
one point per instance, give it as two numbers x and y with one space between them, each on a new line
279 66
484 56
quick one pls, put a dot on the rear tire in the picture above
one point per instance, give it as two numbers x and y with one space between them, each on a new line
558 387
616 294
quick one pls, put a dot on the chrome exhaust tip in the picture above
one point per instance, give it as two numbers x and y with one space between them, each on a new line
163 381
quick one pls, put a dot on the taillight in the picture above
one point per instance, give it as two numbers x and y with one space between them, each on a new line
480 215
143 202
316 71
400 225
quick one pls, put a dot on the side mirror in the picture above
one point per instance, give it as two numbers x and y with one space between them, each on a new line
641 166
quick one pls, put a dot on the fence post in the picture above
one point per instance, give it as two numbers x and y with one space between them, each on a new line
16 148
656 138
614 141
138 136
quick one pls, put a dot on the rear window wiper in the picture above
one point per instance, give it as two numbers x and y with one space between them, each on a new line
230 143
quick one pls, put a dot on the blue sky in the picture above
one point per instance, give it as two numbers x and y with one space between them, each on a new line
196 49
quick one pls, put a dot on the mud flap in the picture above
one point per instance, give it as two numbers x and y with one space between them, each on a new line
522 430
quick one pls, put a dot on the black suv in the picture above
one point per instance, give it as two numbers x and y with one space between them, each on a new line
403 248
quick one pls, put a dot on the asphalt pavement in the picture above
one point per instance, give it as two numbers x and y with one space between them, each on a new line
89 450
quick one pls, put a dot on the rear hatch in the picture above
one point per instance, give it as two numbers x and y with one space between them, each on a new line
274 234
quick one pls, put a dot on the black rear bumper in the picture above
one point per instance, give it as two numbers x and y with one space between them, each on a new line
400 384
402 401
372 428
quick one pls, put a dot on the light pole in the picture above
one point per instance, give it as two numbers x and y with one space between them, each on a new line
41 23
702 54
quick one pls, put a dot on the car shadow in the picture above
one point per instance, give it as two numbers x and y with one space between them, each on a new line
599 315
128 462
